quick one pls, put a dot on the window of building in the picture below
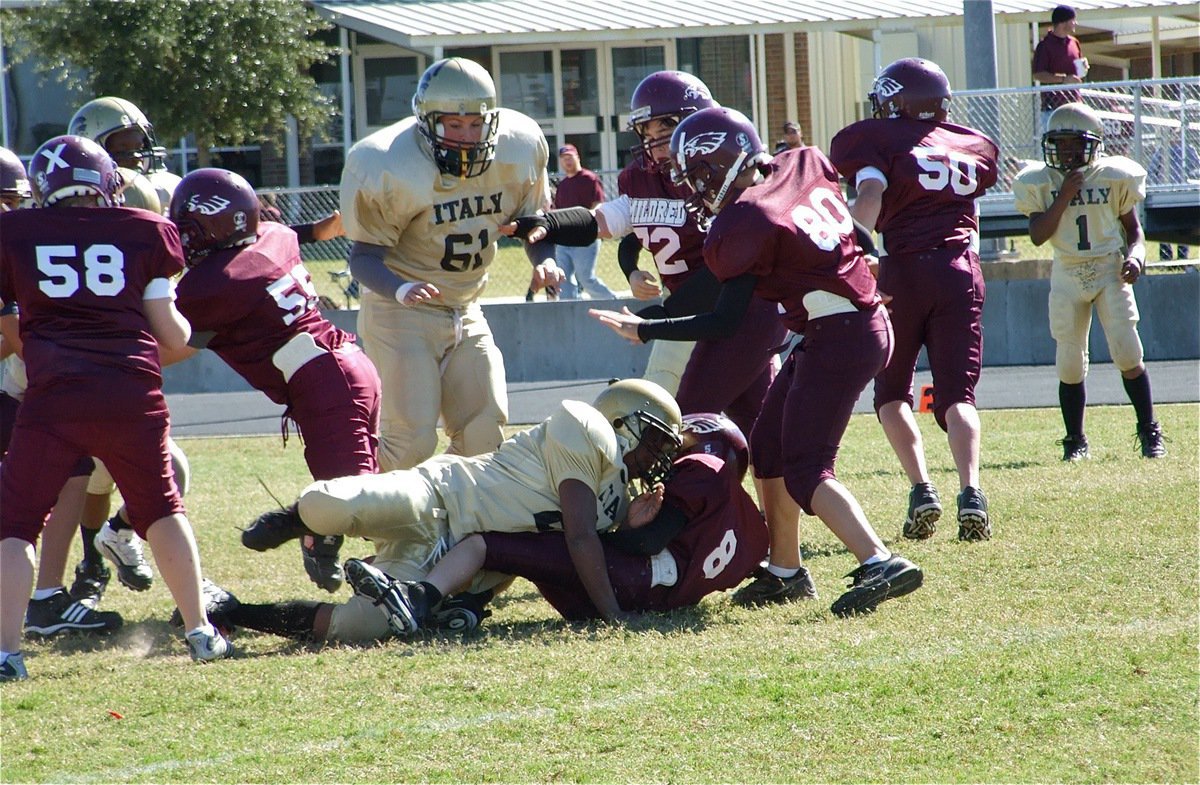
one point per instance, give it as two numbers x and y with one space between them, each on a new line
722 63
630 65
480 54
389 84
527 83
581 82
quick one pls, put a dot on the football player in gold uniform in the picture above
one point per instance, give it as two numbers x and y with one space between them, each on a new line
568 474
1085 203
423 200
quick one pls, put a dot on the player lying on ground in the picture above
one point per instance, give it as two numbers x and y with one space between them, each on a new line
702 534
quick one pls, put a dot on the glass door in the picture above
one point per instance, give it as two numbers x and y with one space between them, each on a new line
579 96
582 121
629 65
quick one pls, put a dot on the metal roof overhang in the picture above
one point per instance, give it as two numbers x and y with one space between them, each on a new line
424 26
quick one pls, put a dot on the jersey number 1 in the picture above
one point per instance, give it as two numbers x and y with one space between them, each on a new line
1081 224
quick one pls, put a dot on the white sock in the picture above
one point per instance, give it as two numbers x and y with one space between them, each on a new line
782 572
205 628
876 559
43 594
4 655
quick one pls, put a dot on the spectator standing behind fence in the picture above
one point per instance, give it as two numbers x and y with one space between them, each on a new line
1059 59
579 187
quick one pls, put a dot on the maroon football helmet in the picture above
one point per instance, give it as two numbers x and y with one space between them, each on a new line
716 434
913 88
709 149
664 95
14 181
67 166
214 208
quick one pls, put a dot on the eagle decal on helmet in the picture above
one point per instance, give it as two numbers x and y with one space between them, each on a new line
703 143
887 86
211 205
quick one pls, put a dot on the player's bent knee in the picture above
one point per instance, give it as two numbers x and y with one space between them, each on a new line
1071 360
802 486
407 450
1126 350
101 482
483 434
326 507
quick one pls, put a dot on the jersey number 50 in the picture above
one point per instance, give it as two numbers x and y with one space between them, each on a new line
942 168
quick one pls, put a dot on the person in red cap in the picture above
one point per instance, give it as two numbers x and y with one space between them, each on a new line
793 137
579 187
1059 59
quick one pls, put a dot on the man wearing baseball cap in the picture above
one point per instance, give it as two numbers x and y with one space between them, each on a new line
579 187
792 137
1059 59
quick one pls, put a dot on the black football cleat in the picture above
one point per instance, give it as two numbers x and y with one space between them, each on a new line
924 511
871 584
59 613
769 589
1150 438
461 613
321 560
973 522
274 528
1075 448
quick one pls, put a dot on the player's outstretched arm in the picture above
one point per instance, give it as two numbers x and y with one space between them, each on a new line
368 267
167 324
575 226
578 503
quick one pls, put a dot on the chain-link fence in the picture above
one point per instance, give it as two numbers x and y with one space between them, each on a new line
1155 122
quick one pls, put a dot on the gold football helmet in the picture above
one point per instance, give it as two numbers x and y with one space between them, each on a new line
1074 135
641 411
456 86
100 118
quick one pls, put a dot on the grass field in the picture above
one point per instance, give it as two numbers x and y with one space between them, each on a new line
1064 650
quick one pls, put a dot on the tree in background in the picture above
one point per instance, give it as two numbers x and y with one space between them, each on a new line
229 72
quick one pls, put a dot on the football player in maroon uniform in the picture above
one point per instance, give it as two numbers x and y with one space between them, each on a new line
727 374
701 535
781 229
250 300
917 178
92 284
51 609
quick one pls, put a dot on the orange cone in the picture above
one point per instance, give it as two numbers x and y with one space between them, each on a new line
926 403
